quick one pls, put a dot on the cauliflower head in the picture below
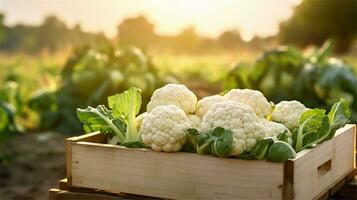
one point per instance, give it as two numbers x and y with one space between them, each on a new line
173 94
246 126
273 129
288 113
195 121
252 98
204 104
139 119
164 128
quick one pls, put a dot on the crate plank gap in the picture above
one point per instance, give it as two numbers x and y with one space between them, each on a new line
93 164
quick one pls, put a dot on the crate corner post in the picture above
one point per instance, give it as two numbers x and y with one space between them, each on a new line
288 182
69 143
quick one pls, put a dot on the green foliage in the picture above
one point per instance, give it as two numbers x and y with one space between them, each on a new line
260 150
280 152
126 106
43 100
101 119
218 142
339 115
268 149
120 122
312 23
315 126
312 126
192 140
88 78
315 79
11 106
10 93
8 124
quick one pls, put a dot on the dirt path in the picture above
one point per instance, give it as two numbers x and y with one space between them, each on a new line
30 164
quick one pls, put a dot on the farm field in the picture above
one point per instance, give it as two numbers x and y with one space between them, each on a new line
204 74
218 78
39 154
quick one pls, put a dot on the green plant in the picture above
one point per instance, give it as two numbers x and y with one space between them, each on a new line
314 78
218 142
11 106
315 126
119 122
88 78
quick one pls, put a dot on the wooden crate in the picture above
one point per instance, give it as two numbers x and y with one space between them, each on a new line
93 164
344 189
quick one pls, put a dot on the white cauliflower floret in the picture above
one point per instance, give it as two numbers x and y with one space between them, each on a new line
204 104
288 113
246 126
195 121
173 94
164 128
273 129
139 119
252 98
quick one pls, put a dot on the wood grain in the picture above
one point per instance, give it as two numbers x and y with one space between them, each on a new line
191 176
69 154
55 194
95 137
288 182
52 194
178 175
62 184
309 181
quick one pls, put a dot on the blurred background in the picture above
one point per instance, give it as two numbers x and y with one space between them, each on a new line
56 56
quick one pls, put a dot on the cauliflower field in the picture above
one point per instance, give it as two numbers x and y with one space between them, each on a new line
241 124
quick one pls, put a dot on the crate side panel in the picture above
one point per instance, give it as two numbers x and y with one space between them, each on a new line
174 175
319 168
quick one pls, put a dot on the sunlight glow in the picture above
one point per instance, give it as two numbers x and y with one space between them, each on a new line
251 17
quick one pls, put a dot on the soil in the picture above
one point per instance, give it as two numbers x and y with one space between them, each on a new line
30 164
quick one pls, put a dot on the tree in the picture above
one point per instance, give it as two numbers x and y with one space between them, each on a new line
187 40
230 39
315 21
53 33
136 31
2 30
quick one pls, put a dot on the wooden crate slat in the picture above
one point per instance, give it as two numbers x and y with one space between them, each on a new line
191 176
179 175
336 153
62 184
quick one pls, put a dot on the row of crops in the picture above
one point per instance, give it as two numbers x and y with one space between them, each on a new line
87 78
314 78
90 75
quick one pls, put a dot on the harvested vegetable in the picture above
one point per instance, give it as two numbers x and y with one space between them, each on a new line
120 122
235 125
218 142
315 126
239 118
288 112
252 98
163 129
205 104
174 94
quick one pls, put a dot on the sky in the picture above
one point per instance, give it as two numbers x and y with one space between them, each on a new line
210 17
